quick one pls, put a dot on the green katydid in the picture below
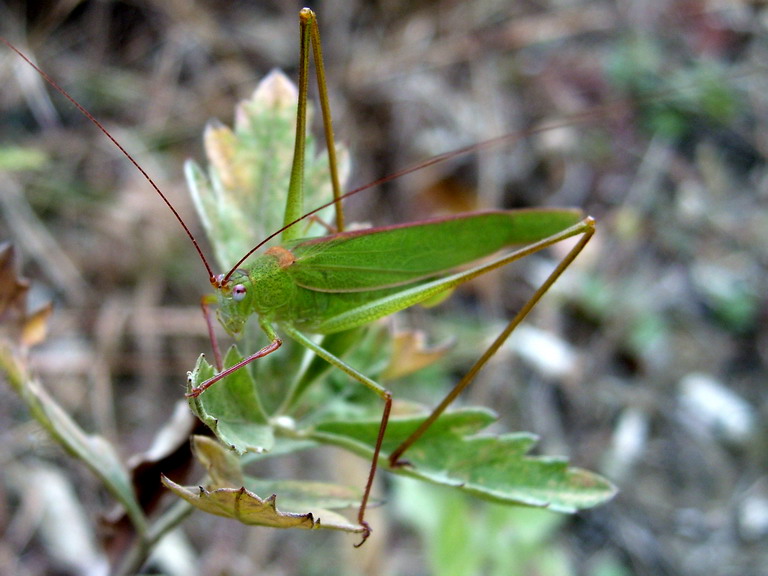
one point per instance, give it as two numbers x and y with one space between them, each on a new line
345 280
348 279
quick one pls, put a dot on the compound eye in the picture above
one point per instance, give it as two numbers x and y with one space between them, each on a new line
238 292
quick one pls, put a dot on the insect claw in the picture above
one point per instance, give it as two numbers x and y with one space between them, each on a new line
366 533
401 464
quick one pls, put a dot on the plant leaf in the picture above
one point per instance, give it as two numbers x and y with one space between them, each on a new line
231 408
232 494
224 470
19 326
222 465
243 195
246 507
96 452
494 468
21 330
410 354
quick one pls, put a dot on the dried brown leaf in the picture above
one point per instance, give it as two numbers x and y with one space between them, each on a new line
410 353
21 327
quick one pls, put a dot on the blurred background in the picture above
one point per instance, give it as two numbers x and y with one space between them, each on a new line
647 361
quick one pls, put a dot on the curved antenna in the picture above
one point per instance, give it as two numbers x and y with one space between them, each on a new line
498 140
133 161
596 112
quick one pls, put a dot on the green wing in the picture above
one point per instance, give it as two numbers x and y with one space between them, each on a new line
391 256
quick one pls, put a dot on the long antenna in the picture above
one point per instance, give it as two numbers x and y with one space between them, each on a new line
576 118
133 161
498 140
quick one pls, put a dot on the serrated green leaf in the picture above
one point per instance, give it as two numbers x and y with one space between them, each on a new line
494 468
231 408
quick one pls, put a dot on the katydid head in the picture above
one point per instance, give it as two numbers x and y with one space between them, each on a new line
233 295
262 288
